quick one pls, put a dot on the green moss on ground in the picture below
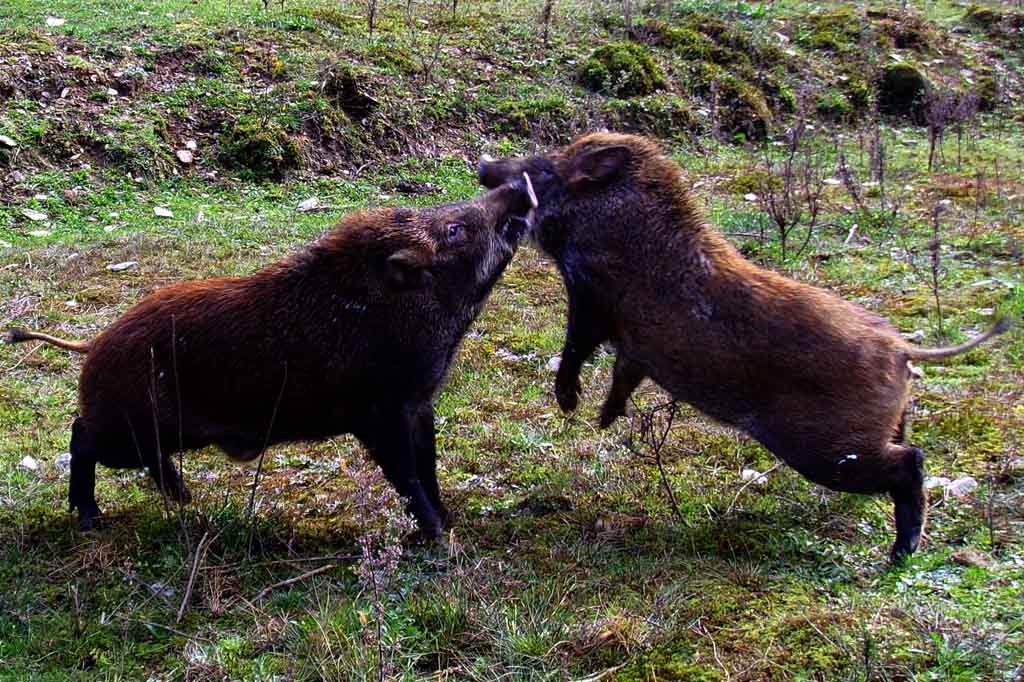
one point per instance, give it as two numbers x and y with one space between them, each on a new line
623 69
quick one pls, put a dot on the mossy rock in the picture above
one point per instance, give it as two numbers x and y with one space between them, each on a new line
837 30
858 94
622 69
344 88
260 149
902 90
684 41
988 91
742 109
522 115
663 115
982 17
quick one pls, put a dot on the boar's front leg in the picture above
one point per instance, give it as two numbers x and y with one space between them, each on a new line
389 436
425 446
626 376
585 331
82 486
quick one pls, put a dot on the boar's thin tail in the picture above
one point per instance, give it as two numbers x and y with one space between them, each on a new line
935 354
17 335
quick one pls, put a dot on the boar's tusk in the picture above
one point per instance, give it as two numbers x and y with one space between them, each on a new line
529 190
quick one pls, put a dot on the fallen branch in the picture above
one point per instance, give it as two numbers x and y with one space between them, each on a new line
197 559
603 674
291 581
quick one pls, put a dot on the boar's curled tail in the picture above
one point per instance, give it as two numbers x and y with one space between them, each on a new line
936 354
17 335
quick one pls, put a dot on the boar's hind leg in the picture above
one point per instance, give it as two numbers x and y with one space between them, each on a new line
425 448
584 332
82 488
167 479
626 376
390 440
910 502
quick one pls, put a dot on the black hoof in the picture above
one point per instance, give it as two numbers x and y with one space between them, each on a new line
609 415
88 522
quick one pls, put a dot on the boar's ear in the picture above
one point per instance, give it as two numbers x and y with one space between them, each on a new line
596 167
408 269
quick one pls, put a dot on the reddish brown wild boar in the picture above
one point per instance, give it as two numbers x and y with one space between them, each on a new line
819 381
354 334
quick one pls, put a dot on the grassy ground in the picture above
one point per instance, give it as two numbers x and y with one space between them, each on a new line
566 559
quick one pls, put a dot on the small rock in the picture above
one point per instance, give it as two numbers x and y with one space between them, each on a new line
971 557
119 267
7 142
190 145
832 181
754 475
184 155
506 354
29 463
111 92
162 212
54 22
310 204
110 228
554 363
5 245
65 92
70 195
750 197
161 589
63 462
936 482
33 215
40 233
962 487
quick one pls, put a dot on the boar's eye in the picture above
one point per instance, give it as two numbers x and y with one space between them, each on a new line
454 231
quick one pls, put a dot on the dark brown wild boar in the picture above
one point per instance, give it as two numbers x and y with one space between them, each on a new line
353 334
819 381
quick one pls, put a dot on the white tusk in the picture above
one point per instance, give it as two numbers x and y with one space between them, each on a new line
487 158
529 190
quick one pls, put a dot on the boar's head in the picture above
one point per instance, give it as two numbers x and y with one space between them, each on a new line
581 186
461 249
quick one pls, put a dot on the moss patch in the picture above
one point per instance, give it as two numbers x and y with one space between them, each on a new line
260 149
664 115
837 30
623 69
521 116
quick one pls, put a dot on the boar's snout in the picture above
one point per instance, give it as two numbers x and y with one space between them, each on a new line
493 173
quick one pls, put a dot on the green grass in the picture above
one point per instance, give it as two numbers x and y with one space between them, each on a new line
565 560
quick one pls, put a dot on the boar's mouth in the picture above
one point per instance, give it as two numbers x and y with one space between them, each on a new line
515 226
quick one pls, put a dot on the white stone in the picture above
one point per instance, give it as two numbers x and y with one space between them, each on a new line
162 212
754 475
29 463
962 487
125 265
